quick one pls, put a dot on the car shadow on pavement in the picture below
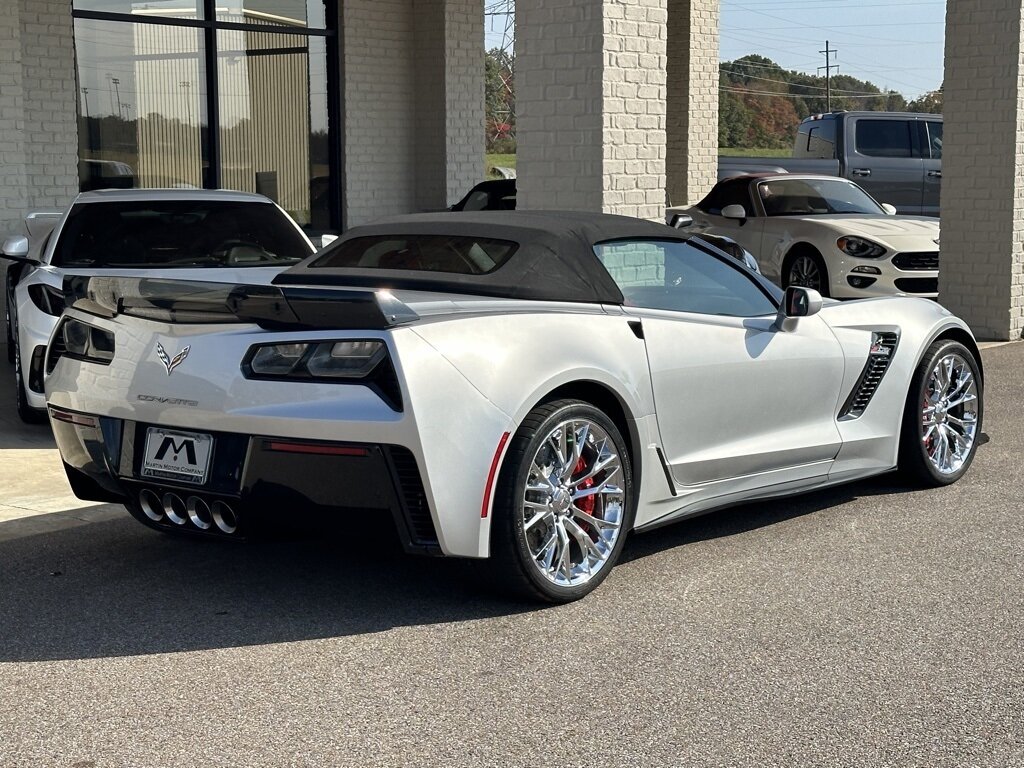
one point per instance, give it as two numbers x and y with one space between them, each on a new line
115 588
742 518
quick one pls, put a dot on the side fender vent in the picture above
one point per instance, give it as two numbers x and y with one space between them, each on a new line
883 347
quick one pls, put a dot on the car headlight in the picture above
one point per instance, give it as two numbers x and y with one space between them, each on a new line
354 359
859 247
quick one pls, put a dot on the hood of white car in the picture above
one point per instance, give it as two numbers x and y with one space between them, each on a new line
899 232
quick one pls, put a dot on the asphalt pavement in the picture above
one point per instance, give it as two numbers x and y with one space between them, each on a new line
867 625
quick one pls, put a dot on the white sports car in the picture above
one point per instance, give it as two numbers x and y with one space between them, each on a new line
824 233
234 237
522 386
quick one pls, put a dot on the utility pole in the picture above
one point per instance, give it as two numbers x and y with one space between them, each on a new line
117 95
829 66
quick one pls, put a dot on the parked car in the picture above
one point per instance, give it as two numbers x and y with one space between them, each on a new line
895 156
521 386
823 233
229 236
495 195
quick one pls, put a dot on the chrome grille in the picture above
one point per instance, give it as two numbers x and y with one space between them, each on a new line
883 347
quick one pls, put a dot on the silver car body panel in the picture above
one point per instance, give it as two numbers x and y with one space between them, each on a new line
44 227
470 370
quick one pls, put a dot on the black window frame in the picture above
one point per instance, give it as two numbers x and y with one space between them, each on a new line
210 26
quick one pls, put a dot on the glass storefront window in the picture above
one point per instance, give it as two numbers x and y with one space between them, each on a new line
180 9
287 13
270 112
232 98
142 113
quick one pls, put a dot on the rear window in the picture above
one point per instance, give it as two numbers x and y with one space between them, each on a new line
178 233
456 254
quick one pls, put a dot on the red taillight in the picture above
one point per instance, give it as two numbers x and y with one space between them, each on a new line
73 418
313 448
485 508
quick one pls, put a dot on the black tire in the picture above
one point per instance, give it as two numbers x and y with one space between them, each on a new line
26 412
915 466
819 263
512 564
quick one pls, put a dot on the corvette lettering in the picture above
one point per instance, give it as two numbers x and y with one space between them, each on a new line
167 400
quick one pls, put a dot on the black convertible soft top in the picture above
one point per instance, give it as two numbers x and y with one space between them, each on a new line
554 260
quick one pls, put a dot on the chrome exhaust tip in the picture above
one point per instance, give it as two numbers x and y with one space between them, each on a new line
175 509
224 517
151 506
199 513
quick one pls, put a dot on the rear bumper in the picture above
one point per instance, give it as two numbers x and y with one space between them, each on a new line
257 477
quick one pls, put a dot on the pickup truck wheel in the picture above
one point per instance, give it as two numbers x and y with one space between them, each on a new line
806 268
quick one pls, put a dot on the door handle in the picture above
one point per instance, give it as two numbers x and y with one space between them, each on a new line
934 174
861 171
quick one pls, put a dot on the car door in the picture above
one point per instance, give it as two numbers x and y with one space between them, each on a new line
931 141
735 396
884 160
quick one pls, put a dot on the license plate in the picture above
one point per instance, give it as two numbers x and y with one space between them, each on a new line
173 455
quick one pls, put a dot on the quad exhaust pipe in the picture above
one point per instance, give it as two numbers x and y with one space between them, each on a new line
191 511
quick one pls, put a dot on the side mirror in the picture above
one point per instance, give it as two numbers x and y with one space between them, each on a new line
798 302
681 221
16 248
735 211
889 209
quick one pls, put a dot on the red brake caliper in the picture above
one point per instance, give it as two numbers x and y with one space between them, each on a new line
587 503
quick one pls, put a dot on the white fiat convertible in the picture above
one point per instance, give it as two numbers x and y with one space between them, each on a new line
520 386
824 233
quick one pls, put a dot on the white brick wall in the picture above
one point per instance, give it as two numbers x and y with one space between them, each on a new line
590 105
450 99
380 109
692 109
38 117
982 274
413 104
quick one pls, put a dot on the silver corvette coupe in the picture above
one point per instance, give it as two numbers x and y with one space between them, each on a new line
517 386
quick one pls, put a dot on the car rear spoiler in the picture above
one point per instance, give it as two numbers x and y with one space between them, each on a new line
270 307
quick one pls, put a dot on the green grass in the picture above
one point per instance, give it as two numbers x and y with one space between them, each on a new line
738 152
505 161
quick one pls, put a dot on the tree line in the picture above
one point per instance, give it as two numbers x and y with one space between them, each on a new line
760 103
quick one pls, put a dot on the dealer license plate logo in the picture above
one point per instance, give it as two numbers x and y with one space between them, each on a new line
181 456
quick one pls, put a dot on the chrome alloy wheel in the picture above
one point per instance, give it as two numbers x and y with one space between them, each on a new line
804 272
949 414
573 507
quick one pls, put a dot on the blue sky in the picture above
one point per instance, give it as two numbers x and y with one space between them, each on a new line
895 45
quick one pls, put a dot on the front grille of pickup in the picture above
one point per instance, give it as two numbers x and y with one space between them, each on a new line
883 347
918 284
914 261
414 498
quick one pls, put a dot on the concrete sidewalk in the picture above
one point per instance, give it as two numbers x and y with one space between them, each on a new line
33 488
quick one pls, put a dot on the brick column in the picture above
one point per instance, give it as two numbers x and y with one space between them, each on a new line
449 99
982 274
590 105
692 110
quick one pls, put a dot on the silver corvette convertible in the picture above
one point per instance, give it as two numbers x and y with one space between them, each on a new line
517 386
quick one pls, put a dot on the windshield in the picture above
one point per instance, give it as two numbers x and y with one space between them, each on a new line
803 197
178 233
